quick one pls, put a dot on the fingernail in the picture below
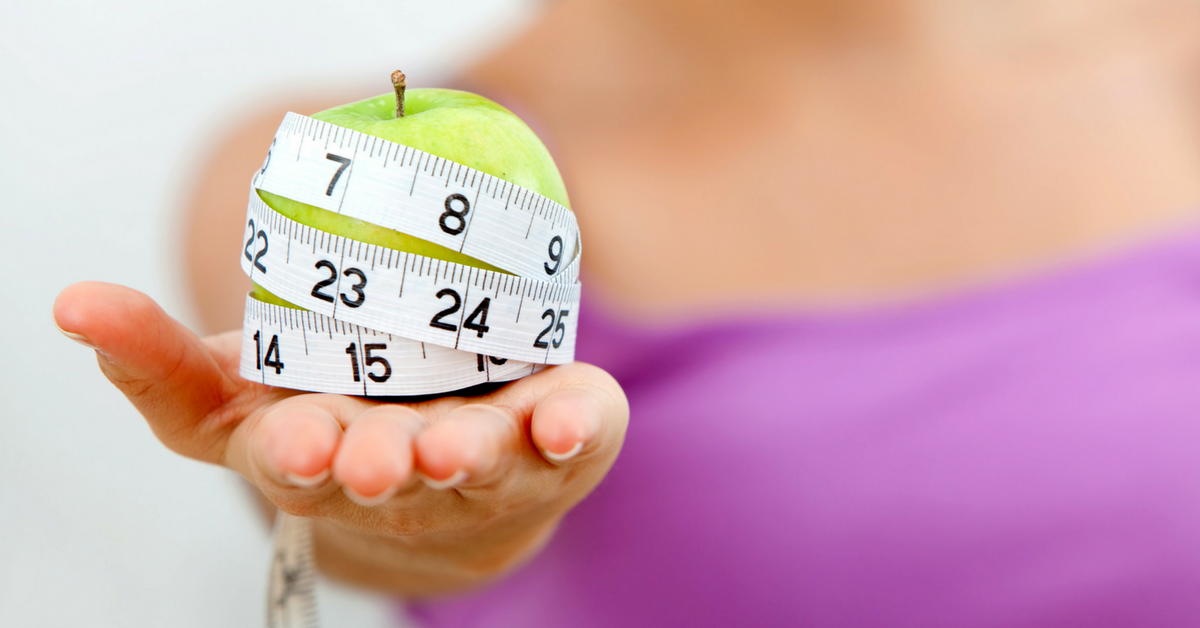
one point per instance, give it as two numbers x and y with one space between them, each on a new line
80 338
307 481
450 482
373 500
566 455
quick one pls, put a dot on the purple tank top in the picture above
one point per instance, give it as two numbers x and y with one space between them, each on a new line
1025 454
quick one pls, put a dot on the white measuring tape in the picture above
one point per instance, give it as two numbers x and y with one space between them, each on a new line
416 297
381 322
303 350
414 192
291 594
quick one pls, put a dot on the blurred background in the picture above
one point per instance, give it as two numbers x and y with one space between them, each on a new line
104 107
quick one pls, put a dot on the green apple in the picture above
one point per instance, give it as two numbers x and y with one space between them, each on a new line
451 124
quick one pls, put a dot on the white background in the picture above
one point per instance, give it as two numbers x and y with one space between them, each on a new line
104 106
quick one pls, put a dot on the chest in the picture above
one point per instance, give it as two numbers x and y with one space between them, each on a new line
836 200
883 467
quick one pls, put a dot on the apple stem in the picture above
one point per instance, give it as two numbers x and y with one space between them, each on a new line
398 83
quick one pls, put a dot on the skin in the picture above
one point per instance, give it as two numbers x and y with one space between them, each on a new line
866 151
887 151
417 498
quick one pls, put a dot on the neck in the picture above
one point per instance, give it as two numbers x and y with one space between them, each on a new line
909 142
689 53
751 27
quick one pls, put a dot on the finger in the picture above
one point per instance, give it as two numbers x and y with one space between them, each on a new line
294 444
287 450
566 423
166 371
471 446
375 459
575 407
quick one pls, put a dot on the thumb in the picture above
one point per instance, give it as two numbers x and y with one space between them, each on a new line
169 374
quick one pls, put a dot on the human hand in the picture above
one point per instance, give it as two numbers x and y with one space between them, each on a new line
415 498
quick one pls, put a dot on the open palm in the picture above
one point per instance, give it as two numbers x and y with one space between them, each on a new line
415 497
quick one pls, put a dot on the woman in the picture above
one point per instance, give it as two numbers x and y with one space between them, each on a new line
904 297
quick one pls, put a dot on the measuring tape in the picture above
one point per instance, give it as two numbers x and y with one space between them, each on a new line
291 595
425 196
381 322
347 359
416 297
